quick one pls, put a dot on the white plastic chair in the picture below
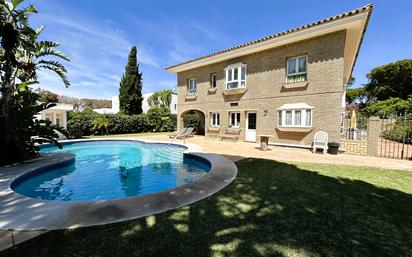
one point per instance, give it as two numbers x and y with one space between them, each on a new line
320 141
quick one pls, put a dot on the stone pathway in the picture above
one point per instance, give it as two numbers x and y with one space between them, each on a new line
238 150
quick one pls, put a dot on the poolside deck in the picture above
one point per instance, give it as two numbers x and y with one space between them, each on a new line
240 150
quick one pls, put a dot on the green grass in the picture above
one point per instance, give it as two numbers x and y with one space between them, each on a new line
131 135
271 209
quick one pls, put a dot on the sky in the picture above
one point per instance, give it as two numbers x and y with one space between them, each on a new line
97 35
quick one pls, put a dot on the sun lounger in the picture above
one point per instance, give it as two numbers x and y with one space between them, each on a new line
177 133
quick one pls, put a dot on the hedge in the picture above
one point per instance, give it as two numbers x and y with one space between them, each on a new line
80 123
88 122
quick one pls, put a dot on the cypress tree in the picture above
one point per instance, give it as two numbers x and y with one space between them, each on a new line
130 91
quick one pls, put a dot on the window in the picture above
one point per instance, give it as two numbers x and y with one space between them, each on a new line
308 118
295 118
213 80
58 119
296 69
280 118
48 116
234 119
235 76
298 118
192 87
288 118
215 119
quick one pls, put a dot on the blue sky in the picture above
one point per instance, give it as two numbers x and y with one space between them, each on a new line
98 35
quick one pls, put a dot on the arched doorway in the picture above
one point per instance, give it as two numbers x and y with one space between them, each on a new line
194 118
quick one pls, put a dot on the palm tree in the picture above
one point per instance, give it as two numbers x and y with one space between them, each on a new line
162 97
100 125
22 55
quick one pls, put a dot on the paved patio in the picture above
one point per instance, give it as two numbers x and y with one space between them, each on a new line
239 150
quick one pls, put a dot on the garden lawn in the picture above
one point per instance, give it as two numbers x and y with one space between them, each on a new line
271 209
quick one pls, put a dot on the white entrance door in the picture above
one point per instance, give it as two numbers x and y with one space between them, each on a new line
251 126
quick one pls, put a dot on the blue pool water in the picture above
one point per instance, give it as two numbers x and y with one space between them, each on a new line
113 169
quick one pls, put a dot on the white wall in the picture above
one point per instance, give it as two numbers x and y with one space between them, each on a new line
57 114
145 105
173 104
54 116
115 104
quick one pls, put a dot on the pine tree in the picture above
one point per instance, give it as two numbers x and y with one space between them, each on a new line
130 92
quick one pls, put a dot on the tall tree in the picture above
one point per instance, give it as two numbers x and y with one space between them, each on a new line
47 96
390 80
130 91
161 97
21 56
357 96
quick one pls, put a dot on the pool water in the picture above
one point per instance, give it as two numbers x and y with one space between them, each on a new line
113 169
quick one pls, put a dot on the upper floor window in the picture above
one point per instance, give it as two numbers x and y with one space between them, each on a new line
192 87
235 76
213 80
296 69
234 119
215 119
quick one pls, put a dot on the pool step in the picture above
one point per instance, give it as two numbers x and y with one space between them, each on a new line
168 154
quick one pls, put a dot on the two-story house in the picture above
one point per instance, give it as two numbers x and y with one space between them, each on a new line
288 85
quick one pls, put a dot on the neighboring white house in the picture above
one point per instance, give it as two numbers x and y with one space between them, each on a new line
145 106
115 107
56 114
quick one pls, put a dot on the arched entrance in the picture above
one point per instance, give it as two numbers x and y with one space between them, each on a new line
193 118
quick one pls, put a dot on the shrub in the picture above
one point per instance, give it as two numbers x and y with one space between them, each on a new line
122 123
80 123
159 119
100 125
191 119
88 122
399 133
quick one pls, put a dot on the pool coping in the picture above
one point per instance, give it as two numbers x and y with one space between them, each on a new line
18 212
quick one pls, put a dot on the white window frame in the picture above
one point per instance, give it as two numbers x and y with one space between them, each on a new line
231 68
215 119
213 78
48 116
60 117
192 91
236 122
296 73
282 118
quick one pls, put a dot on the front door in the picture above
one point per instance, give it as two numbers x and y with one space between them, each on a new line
251 126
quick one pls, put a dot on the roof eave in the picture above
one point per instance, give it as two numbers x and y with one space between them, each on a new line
361 18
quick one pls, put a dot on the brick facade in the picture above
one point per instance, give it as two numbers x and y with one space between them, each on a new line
354 147
266 90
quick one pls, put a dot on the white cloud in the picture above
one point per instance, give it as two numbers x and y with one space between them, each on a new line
99 48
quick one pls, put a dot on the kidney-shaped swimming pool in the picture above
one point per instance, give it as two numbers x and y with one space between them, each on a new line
113 169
